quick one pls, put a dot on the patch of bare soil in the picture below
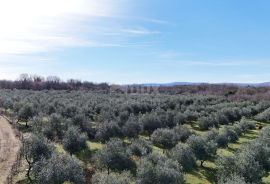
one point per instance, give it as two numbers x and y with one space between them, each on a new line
9 147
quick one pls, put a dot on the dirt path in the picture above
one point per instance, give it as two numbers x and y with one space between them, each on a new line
9 146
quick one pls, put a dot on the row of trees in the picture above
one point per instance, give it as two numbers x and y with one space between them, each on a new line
264 116
229 114
249 165
117 156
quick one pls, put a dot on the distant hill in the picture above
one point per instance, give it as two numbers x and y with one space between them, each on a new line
264 84
172 84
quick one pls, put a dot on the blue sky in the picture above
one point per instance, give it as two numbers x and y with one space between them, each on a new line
136 41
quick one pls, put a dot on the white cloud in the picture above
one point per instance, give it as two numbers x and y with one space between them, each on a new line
31 26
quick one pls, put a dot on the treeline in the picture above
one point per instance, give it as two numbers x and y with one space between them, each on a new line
36 82
230 91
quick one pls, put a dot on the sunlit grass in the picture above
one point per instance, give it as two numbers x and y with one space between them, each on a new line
266 179
59 148
94 146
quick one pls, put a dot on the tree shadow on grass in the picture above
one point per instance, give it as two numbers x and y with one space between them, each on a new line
210 174
86 155
250 135
205 173
24 181
196 173
231 149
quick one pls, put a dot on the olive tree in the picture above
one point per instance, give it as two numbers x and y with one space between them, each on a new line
235 179
57 169
115 157
26 112
150 122
74 140
140 147
184 155
35 147
222 140
243 164
182 133
164 138
55 127
132 127
202 149
107 130
159 170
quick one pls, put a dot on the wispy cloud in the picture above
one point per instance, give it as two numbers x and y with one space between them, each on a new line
139 31
32 26
171 54
39 26
151 20
216 63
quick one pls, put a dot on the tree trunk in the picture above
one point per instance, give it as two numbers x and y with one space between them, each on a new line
202 161
28 173
30 165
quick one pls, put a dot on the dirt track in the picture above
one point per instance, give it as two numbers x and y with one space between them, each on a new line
9 146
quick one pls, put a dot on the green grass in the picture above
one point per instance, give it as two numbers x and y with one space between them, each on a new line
195 128
59 148
86 155
202 175
266 179
94 146
158 150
